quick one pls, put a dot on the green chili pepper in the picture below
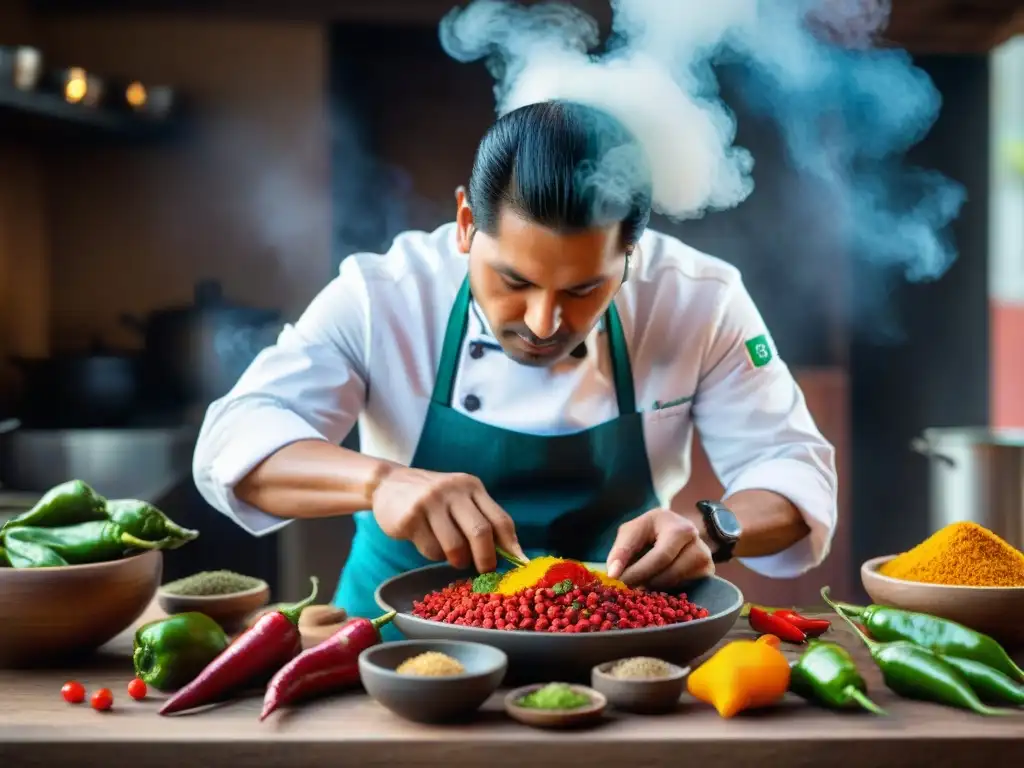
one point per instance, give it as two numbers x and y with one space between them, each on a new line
143 520
170 653
29 554
66 504
94 542
828 675
915 672
944 637
991 685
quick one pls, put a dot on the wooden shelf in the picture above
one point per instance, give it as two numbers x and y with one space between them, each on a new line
38 116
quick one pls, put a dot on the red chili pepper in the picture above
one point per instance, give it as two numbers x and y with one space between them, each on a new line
328 666
258 652
810 627
772 624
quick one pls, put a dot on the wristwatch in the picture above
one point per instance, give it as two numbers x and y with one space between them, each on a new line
723 528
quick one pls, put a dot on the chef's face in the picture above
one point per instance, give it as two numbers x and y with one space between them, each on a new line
541 291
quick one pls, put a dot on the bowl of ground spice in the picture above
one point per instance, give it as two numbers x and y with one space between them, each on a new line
964 573
640 684
556 705
432 681
225 596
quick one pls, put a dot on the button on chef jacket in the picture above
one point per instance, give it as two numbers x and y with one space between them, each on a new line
367 349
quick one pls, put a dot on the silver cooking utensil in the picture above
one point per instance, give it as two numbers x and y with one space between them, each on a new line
545 656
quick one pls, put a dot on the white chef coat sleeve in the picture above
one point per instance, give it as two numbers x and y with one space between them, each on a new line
758 434
310 385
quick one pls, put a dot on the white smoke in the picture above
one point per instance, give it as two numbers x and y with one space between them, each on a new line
847 109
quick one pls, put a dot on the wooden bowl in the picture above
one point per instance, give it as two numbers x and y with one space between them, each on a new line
996 611
230 611
51 615
556 718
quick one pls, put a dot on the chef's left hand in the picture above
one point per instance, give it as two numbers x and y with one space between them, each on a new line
678 553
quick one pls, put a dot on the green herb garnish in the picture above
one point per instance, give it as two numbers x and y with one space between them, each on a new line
554 696
562 587
486 583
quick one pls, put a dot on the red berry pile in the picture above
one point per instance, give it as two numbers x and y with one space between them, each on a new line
593 608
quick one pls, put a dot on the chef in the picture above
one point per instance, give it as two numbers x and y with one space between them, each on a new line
530 376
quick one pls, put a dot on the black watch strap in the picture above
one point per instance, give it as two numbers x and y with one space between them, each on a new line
722 527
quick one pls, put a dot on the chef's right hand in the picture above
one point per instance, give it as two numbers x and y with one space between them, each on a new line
448 516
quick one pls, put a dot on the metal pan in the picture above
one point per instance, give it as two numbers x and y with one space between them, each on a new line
543 656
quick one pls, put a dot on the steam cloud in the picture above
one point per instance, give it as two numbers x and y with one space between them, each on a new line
847 110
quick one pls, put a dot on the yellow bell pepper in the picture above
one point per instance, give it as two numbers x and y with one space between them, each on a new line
744 674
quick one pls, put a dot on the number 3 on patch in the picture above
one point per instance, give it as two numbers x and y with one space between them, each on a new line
759 350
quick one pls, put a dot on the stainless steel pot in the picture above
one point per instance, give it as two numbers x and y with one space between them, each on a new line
119 463
976 474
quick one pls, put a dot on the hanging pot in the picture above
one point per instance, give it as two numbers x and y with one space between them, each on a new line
195 353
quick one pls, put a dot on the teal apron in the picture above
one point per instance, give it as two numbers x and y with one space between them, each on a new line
567 494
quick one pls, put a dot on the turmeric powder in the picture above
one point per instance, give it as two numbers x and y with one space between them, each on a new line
523 577
963 554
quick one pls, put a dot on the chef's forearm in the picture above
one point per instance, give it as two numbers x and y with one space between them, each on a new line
769 521
311 479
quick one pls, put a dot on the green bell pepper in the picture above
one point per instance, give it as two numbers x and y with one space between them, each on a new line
168 654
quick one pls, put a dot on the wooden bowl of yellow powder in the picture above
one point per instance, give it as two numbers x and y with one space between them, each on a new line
432 681
962 572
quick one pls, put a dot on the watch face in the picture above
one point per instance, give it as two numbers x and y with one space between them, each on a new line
727 524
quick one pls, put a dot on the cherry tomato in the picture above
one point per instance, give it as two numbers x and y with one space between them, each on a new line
137 689
73 693
102 700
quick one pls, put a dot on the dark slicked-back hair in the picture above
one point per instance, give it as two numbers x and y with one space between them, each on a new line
565 166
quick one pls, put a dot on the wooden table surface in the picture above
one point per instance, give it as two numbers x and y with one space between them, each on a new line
38 729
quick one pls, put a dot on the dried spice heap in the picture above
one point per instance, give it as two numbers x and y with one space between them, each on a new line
542 572
641 668
431 664
208 583
962 554
564 607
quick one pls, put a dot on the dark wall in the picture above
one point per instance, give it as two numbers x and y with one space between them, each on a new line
939 374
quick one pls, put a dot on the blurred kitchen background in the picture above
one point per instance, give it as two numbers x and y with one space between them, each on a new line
178 179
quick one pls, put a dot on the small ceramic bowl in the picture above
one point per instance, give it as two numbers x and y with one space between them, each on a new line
432 699
995 611
645 695
230 611
556 718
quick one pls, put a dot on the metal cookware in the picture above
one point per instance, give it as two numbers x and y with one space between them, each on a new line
195 353
977 475
101 388
534 656
119 463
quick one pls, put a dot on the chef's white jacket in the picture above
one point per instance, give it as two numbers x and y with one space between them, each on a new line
368 346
